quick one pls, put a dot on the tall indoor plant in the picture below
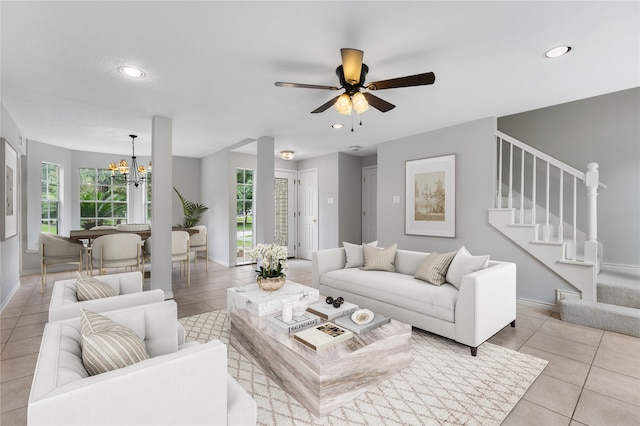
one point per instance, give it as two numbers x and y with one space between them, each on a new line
192 211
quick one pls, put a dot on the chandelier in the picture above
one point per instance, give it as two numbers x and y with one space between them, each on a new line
134 174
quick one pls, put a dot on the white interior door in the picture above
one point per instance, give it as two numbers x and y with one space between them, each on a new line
307 212
285 209
369 203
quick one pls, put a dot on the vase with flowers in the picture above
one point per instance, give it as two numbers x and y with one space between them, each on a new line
272 260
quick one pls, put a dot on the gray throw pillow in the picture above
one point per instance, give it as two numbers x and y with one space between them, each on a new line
89 288
354 254
433 268
107 345
378 259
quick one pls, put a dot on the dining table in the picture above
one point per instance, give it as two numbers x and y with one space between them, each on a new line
92 234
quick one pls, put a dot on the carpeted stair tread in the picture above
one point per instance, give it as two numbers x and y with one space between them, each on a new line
604 316
619 289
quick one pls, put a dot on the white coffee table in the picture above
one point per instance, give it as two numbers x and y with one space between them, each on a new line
260 302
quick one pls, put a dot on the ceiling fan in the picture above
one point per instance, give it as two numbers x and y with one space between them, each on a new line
352 74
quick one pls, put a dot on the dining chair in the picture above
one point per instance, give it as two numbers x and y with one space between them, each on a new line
181 252
115 251
58 250
200 242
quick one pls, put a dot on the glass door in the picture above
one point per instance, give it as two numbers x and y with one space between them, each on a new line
244 214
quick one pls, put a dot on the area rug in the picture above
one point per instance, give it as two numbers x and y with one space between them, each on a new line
444 385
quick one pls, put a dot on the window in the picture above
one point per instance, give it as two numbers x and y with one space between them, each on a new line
244 210
147 197
50 219
103 201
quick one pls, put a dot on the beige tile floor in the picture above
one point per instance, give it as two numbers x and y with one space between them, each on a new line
593 376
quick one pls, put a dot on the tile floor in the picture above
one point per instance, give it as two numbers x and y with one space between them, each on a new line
593 376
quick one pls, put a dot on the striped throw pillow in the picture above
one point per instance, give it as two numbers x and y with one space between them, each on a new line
89 288
107 345
434 267
378 259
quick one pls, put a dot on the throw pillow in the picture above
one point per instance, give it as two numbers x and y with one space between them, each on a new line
378 259
89 288
354 253
107 345
462 264
434 267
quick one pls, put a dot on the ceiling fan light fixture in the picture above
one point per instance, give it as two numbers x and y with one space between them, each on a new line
337 126
287 155
343 104
360 103
556 52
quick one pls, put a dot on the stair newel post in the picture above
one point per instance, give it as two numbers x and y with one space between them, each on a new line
592 181
561 209
522 186
533 191
547 205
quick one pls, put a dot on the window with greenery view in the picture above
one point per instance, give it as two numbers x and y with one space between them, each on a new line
50 219
147 197
103 201
244 212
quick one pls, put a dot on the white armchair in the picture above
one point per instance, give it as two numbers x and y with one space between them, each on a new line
127 287
200 242
58 250
181 252
179 384
116 250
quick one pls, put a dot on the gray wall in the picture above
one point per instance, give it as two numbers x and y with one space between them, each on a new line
474 147
186 179
10 248
350 198
606 130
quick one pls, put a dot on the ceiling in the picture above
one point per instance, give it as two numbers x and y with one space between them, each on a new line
211 67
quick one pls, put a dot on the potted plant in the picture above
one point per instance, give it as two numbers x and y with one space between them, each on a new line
192 211
273 263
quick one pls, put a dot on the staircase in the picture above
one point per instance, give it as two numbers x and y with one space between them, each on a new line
541 204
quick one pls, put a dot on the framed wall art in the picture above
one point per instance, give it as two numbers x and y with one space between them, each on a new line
431 196
9 192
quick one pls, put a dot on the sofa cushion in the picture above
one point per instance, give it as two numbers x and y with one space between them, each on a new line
107 345
354 253
462 264
89 288
378 259
433 268
396 289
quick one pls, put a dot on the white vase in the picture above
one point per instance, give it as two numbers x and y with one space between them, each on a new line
287 310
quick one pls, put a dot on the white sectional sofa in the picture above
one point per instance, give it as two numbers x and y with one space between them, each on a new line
127 286
180 384
484 304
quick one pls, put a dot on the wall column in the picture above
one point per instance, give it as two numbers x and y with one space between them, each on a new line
264 225
161 193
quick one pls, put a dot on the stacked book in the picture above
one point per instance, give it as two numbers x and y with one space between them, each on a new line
296 324
328 312
349 324
322 336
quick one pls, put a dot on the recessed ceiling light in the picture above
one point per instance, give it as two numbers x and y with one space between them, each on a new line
337 126
557 51
355 148
132 72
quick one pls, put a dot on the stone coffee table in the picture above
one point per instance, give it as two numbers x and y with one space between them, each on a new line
261 302
325 380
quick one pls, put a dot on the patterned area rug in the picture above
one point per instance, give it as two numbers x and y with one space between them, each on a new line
443 385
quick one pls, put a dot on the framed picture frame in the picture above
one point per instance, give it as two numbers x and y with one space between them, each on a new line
9 192
431 196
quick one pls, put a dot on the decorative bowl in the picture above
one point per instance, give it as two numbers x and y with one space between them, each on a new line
362 316
271 284
299 308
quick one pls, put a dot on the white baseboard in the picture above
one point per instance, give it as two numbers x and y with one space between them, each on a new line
537 304
622 269
8 299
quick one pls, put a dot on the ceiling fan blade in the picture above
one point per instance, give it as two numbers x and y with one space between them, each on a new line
351 64
377 103
305 86
325 106
411 80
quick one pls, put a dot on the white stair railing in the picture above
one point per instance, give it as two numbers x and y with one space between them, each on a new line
590 179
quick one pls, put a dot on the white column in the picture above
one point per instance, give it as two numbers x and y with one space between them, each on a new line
264 225
161 198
